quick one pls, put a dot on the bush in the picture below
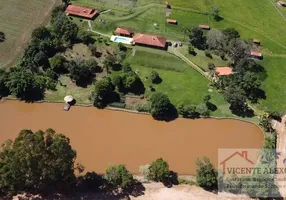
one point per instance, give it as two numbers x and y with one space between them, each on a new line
211 66
206 175
118 176
203 110
208 54
155 78
188 111
182 181
191 50
145 171
159 171
143 107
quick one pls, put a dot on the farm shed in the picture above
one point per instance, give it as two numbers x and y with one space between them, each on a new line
256 54
206 27
81 11
171 21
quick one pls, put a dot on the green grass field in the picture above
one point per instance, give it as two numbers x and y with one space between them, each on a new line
17 21
257 19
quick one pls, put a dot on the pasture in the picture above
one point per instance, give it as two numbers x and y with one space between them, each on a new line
17 21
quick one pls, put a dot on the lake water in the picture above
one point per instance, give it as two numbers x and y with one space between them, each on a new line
103 137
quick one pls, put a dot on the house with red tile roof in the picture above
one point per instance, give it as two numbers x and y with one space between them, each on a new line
123 32
149 40
223 71
80 11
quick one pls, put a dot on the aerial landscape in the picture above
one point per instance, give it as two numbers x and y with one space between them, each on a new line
143 99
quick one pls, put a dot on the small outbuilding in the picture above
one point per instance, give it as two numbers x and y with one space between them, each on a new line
205 27
256 54
171 21
223 71
126 32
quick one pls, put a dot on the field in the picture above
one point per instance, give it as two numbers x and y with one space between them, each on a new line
17 20
263 20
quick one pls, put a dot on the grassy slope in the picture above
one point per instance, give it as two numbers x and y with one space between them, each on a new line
17 20
253 19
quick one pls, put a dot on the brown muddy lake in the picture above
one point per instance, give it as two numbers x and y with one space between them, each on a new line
103 137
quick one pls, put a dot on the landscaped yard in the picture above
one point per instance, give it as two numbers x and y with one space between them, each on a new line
17 21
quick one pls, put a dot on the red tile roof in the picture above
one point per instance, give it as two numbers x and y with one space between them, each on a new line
222 71
204 26
256 54
151 40
171 21
81 11
123 31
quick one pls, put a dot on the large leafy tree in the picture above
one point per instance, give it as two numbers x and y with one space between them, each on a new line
119 176
161 107
24 84
158 171
197 38
41 33
103 93
3 78
132 83
37 162
216 40
59 64
81 72
206 175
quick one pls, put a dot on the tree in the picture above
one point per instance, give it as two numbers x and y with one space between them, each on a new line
117 81
197 38
145 170
24 84
158 171
41 59
155 78
215 13
161 107
63 28
81 72
41 33
231 34
211 66
109 62
37 162
93 49
119 176
4 91
85 37
206 175
207 98
235 96
132 83
103 93
187 111
127 68
191 50
238 49
203 110
2 36
186 31
216 40
59 64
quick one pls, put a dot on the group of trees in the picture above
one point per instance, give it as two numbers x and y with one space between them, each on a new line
201 110
244 84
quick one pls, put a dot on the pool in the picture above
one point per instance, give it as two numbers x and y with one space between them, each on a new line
120 39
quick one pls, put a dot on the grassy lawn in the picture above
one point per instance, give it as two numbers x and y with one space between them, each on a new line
253 19
17 20
69 88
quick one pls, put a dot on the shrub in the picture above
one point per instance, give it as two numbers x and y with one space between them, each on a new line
191 50
155 78
206 175
159 171
145 170
118 176
187 111
143 107
208 54
183 181
203 110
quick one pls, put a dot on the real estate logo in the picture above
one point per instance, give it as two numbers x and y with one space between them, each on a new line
255 172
